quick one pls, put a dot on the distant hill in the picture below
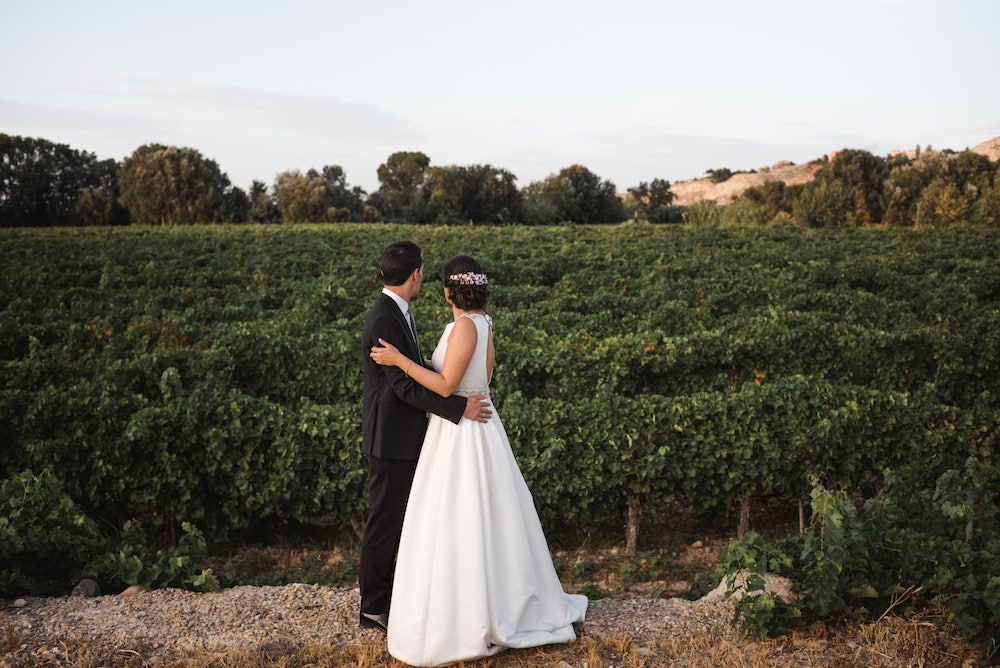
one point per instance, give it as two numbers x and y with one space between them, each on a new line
689 192
697 190
989 148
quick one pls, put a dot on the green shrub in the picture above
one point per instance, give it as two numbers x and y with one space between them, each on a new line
133 562
47 545
905 550
46 541
703 214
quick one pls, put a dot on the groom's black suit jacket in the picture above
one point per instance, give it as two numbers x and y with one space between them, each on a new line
395 407
393 424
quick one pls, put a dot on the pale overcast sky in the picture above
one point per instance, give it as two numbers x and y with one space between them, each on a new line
633 89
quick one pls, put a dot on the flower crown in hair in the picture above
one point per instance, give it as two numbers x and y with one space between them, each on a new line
469 278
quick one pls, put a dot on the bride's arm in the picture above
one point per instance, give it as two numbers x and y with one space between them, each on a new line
461 345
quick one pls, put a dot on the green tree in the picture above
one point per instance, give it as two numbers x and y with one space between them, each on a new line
263 208
742 212
445 191
577 195
98 202
719 175
773 198
538 211
400 196
705 213
235 206
860 175
941 204
903 187
44 184
824 203
403 170
972 173
343 202
300 197
652 201
986 211
316 196
167 185
480 194
493 197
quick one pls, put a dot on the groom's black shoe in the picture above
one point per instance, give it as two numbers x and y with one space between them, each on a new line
370 621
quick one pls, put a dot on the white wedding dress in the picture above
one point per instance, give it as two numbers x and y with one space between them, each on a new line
474 574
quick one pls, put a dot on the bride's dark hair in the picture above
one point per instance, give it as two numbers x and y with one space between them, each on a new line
466 282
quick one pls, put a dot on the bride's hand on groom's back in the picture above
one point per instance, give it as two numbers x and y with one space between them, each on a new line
386 354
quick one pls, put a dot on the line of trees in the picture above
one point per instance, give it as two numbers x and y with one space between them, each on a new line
856 188
48 184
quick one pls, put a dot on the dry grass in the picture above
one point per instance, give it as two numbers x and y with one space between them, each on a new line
890 643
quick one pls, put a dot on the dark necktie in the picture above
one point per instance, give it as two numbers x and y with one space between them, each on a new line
413 326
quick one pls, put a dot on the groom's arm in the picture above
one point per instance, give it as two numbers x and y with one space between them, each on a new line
408 390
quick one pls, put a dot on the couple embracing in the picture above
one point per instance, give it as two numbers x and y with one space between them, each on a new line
452 545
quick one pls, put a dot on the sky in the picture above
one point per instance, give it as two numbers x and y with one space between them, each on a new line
634 90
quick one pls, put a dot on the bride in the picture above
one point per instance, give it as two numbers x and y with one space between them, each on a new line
474 574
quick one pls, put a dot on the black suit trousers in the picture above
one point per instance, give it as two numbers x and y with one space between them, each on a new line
388 491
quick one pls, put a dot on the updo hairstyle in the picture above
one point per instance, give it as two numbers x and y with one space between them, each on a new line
464 291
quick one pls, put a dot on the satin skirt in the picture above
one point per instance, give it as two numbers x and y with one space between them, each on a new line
474 575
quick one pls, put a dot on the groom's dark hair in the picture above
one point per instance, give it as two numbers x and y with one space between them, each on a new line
399 260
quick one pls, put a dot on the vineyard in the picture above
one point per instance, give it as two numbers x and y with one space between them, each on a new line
167 381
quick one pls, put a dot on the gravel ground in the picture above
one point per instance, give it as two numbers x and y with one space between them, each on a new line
164 624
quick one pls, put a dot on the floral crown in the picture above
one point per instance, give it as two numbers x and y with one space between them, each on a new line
469 278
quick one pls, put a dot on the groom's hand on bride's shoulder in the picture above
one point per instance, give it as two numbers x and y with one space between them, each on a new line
477 409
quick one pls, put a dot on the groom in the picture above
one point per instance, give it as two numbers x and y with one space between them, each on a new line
394 420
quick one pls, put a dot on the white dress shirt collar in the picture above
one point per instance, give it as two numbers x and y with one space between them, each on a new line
400 302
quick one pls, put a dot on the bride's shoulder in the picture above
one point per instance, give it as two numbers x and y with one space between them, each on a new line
477 316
